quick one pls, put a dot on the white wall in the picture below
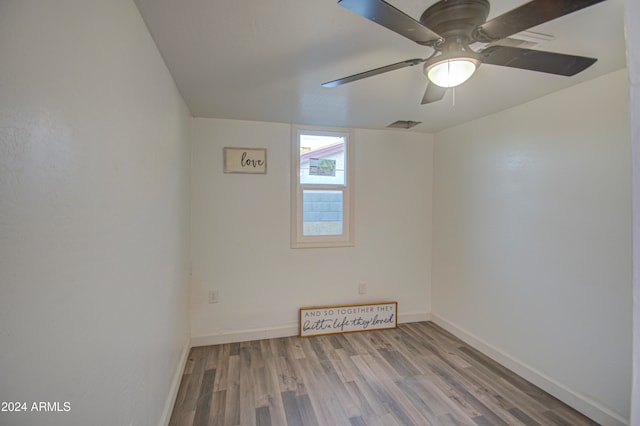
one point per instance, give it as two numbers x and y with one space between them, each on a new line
94 216
632 17
532 241
241 244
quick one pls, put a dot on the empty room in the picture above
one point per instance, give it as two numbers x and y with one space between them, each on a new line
240 212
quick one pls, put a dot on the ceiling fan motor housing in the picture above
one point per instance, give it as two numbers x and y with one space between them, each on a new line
456 19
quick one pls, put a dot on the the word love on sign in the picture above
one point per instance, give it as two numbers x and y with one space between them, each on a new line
245 160
347 318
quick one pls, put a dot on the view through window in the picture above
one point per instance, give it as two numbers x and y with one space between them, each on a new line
322 191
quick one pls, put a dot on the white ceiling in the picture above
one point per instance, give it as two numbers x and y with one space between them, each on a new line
265 61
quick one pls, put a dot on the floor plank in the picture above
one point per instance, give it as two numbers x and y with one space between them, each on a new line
417 374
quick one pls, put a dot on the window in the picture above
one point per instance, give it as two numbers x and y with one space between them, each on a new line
322 188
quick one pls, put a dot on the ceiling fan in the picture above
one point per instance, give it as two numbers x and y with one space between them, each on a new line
450 26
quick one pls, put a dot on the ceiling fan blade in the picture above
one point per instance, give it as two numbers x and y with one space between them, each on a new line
433 93
394 19
526 16
371 73
536 60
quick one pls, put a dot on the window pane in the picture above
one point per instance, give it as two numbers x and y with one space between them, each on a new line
322 159
322 212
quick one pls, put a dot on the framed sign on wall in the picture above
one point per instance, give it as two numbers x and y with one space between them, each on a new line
245 160
347 318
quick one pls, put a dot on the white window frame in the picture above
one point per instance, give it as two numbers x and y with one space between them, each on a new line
298 240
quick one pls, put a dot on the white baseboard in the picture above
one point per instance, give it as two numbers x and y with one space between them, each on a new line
275 332
245 335
414 317
579 402
175 385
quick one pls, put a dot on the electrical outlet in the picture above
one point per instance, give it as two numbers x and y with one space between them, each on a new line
362 288
213 296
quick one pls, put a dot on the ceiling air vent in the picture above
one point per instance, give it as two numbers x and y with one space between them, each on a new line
403 124
523 39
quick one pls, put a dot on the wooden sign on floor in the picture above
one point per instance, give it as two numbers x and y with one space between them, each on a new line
347 318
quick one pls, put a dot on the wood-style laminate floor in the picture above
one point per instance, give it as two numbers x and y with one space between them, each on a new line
417 374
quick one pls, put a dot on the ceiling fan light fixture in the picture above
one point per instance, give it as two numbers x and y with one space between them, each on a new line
451 72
